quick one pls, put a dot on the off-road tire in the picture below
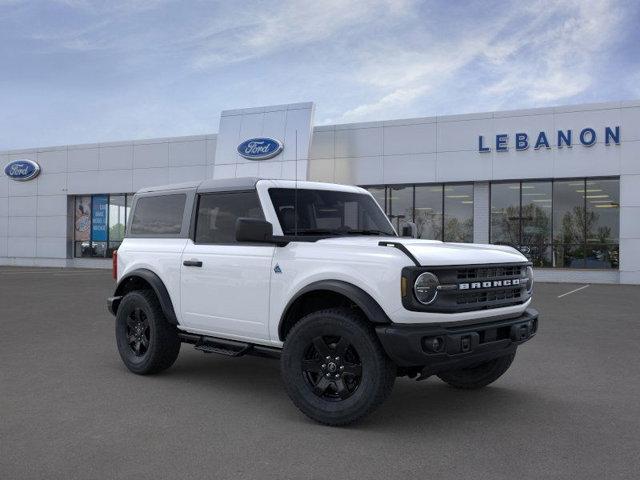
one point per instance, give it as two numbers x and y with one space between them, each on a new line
478 376
377 371
163 344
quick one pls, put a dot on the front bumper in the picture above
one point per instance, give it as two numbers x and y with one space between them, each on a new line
439 348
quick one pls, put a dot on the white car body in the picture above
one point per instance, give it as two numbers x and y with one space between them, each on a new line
241 291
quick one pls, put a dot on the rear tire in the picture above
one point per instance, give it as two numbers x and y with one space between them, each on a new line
334 368
147 343
478 376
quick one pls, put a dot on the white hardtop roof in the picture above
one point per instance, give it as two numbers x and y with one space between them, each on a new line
246 183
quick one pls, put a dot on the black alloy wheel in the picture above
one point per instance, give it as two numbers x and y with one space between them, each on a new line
146 341
138 332
332 368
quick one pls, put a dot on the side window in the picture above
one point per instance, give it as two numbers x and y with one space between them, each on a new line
158 215
218 212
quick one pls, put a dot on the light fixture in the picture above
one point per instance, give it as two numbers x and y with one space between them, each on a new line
425 288
597 196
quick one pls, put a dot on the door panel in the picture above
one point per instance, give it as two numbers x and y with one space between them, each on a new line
229 293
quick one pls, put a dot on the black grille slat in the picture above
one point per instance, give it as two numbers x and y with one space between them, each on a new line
504 294
486 273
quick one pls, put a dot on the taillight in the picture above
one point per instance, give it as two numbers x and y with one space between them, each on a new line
114 265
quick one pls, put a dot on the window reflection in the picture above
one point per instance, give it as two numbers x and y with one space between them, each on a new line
458 213
564 223
505 214
400 206
428 211
536 222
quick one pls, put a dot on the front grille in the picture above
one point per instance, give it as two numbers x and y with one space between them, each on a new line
485 273
473 287
506 295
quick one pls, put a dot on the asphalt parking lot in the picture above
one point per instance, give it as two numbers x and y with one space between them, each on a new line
568 408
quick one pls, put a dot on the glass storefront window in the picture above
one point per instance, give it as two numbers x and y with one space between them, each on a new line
569 223
536 222
400 201
603 223
440 211
117 221
563 223
428 211
458 213
99 223
505 214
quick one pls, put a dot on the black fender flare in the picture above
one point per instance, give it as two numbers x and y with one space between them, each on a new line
162 294
369 306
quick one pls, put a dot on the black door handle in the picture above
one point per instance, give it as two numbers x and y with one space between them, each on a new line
192 263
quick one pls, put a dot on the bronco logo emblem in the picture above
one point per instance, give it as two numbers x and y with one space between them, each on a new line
493 283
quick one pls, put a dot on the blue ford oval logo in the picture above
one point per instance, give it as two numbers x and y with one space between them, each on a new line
22 170
260 148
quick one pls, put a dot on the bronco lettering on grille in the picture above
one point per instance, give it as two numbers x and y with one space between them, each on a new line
489 284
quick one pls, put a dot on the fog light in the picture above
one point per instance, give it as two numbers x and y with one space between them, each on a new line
434 344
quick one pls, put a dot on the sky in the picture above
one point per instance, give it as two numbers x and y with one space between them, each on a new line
80 71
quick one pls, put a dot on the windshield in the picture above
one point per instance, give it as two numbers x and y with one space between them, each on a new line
328 212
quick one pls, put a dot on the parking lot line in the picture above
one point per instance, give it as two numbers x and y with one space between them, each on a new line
573 291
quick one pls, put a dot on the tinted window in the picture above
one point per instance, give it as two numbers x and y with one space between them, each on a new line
379 194
160 215
218 212
328 212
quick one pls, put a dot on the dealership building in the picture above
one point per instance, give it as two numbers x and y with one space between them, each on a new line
562 184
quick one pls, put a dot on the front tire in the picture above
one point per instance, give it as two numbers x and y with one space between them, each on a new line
478 376
147 343
334 368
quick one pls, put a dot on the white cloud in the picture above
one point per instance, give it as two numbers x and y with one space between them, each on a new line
554 63
543 52
288 24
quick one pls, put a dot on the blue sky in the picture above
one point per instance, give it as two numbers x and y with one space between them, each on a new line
77 71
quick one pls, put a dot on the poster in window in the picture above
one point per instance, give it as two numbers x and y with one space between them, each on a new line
99 207
83 219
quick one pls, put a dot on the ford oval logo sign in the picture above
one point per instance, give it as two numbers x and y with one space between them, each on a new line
260 148
22 170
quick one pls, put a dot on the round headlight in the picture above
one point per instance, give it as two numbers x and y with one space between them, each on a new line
529 275
426 288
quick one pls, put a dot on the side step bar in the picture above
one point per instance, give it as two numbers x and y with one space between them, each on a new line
231 348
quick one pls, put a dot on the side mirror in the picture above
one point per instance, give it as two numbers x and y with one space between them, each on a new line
254 230
410 230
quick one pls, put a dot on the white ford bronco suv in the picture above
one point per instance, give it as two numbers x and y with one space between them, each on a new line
313 274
